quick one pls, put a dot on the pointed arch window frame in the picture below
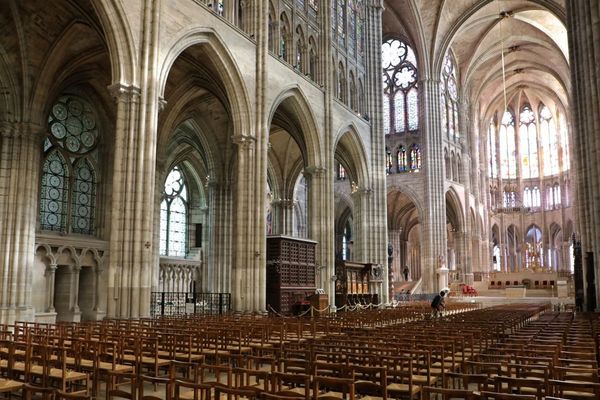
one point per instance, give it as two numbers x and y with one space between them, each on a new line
400 87
176 197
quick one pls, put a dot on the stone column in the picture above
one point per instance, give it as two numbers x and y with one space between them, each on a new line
434 224
99 270
361 228
321 224
50 279
75 272
20 149
584 50
217 277
376 209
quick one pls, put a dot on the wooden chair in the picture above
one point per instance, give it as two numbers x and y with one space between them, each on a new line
290 385
505 396
60 395
40 393
430 392
327 387
509 384
186 390
575 390
400 379
370 390
251 379
229 393
458 380
281 396
117 384
154 382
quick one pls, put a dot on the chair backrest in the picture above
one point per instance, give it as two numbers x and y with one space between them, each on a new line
580 389
61 395
229 393
117 384
430 392
342 386
201 391
41 393
156 381
505 396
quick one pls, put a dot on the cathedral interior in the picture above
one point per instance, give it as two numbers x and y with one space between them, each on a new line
152 146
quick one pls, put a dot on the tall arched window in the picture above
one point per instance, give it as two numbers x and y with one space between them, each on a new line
491 150
415 157
564 142
284 30
389 161
549 142
402 159
449 93
340 14
508 149
527 202
173 215
556 195
341 82
352 99
312 59
528 143
299 62
400 94
69 178
535 197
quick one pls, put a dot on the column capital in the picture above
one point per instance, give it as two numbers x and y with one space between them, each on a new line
243 141
377 4
124 93
315 171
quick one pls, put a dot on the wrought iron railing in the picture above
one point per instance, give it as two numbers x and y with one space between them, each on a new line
181 303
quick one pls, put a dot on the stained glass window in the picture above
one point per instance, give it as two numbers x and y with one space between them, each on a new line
312 62
341 21
400 87
352 28
535 197
68 184
492 149
220 7
527 197
415 157
360 26
386 114
55 188
283 37
549 144
564 143
389 162
402 161
341 83
528 143
449 94
508 149
341 172
173 215
83 198
556 200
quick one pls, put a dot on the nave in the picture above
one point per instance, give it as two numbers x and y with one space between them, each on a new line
504 352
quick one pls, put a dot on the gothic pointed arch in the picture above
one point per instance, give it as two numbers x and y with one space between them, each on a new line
212 47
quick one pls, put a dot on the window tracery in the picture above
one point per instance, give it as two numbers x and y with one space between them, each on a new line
69 178
173 215
400 95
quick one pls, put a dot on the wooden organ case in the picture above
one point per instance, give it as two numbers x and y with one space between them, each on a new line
291 268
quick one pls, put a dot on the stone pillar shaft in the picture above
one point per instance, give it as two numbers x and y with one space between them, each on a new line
20 149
